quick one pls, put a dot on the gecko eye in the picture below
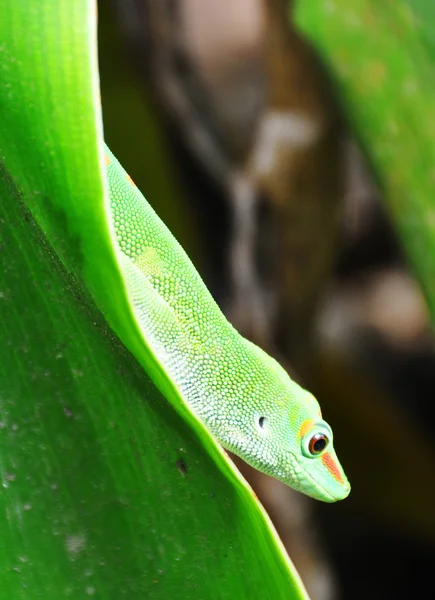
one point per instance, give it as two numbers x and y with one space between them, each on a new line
314 443
317 444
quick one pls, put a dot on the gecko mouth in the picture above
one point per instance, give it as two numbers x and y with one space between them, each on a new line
331 497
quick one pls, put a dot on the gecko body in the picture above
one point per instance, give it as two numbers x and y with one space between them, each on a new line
246 399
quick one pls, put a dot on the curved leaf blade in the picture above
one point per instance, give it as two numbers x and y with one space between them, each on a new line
93 427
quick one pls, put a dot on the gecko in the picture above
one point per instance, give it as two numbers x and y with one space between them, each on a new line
242 395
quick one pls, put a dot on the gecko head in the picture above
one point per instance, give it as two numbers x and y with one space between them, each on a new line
317 466
300 450
289 440
277 427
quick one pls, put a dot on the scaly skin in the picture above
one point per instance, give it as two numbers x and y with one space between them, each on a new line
243 395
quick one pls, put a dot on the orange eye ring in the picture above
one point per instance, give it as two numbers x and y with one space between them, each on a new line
317 444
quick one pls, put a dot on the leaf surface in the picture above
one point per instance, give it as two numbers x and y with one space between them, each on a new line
107 491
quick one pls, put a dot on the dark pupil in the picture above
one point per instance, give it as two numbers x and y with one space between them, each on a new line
319 445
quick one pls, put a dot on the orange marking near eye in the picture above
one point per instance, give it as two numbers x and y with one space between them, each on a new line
130 180
107 160
332 467
306 426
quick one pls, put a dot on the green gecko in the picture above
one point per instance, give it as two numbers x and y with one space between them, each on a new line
244 397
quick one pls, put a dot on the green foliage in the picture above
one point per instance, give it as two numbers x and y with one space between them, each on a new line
107 491
382 54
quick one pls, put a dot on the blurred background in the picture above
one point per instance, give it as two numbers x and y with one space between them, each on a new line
229 123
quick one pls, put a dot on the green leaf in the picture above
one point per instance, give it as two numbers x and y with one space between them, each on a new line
382 54
107 491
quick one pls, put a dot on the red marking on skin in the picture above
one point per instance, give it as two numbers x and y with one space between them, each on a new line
306 426
332 467
131 180
107 160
